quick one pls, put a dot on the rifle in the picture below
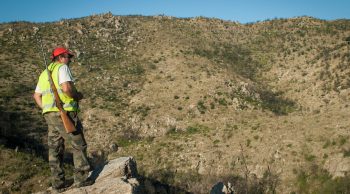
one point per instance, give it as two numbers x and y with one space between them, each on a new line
68 122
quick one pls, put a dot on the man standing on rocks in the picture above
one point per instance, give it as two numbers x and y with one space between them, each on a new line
69 96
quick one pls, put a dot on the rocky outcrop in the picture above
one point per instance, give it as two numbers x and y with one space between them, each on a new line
221 188
338 165
118 176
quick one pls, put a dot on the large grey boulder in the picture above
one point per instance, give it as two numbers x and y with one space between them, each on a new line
118 176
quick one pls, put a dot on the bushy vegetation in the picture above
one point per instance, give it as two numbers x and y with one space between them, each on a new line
235 57
318 180
272 66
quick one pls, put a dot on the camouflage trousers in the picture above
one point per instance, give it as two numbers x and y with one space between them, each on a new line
57 137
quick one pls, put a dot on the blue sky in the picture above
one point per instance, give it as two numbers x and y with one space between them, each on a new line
242 11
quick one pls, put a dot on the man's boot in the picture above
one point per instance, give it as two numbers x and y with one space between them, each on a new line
81 179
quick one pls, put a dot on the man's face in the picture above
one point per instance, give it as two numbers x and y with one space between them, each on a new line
65 58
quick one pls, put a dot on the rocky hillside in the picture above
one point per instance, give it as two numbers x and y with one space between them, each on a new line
194 100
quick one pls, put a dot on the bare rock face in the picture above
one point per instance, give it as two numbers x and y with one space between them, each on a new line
120 167
118 176
221 188
118 185
338 165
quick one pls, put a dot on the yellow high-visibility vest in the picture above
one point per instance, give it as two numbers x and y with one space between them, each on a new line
47 98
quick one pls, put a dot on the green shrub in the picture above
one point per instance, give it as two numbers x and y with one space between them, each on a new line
223 102
346 153
201 107
318 180
192 129
309 157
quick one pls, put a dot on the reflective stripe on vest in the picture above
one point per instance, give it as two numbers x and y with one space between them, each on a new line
59 91
47 95
53 105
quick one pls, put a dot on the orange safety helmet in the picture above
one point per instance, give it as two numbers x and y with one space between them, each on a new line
60 50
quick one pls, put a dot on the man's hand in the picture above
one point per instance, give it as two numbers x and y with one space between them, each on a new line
37 99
